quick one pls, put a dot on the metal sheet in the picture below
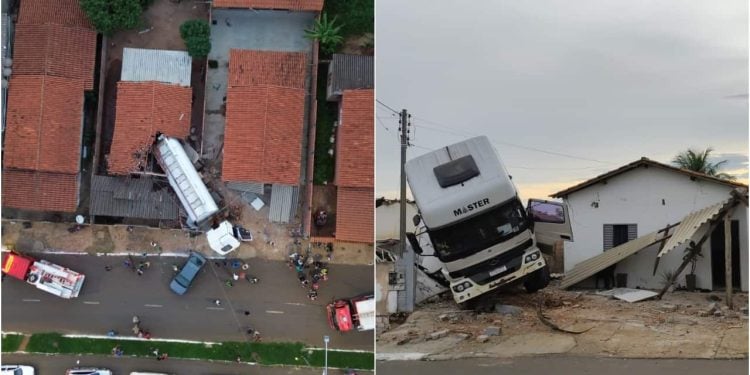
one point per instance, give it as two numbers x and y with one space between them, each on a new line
251 187
110 197
628 294
351 72
595 264
141 65
689 225
282 199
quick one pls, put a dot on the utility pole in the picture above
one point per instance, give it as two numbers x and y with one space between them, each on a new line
404 125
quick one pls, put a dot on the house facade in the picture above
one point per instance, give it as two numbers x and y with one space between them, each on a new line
643 197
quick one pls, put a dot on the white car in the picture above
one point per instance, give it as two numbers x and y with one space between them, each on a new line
16 370
88 371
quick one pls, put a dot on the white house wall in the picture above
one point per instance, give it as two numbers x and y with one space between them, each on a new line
635 197
387 220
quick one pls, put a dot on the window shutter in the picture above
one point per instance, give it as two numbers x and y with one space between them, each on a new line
632 231
608 230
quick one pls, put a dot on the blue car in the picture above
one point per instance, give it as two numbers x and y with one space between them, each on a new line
187 274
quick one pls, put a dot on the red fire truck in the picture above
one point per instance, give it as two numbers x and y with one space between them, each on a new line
44 275
347 314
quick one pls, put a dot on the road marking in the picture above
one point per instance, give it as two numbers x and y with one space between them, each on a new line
91 302
147 305
30 300
295 304
274 312
214 308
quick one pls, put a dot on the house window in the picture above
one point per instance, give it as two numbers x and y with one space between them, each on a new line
617 234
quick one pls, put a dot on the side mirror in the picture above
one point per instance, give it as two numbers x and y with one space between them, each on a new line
414 243
416 219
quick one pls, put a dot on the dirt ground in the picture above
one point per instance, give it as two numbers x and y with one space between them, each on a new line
669 328
324 199
359 45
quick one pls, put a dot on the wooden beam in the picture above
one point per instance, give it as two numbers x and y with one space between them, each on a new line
728 259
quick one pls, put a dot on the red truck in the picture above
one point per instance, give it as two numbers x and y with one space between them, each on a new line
44 275
347 314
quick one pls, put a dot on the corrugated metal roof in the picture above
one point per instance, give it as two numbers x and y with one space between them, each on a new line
185 180
283 202
141 65
131 197
351 72
250 187
690 224
595 264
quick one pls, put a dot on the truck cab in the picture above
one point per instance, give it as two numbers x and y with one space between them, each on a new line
355 313
472 229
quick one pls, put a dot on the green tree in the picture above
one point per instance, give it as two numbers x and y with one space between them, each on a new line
327 33
698 161
109 16
197 37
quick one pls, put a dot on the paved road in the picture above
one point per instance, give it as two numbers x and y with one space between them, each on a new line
565 365
279 306
58 364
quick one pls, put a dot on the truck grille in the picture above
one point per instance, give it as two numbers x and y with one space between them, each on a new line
493 263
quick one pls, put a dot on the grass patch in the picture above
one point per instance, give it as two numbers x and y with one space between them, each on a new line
10 342
324 163
272 353
355 16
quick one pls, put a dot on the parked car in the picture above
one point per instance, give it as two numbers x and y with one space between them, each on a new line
88 371
16 370
187 274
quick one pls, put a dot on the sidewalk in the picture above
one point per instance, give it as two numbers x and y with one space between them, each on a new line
95 239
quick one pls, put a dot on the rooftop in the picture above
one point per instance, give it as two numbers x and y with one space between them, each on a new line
40 191
300 5
55 50
43 130
263 136
355 208
143 110
356 140
250 67
165 66
643 162
143 198
60 12
349 72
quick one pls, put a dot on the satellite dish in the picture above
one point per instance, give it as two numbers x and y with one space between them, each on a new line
80 219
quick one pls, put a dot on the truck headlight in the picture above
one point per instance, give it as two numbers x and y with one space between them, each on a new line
461 287
531 257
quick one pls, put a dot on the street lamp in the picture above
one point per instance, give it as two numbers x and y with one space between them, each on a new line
326 339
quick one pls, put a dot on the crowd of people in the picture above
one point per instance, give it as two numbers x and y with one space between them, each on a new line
311 271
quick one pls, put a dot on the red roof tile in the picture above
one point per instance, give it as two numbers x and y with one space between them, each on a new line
355 147
44 124
143 109
355 210
311 5
40 191
55 50
247 67
61 12
263 134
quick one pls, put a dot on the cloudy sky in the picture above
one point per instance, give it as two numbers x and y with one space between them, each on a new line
565 90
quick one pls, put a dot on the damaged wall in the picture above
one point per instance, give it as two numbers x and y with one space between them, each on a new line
650 198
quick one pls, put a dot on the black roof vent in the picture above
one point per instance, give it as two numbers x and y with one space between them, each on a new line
456 171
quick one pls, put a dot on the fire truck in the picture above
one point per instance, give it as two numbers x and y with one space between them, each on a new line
347 314
44 275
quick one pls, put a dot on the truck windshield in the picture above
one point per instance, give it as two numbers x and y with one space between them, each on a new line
480 232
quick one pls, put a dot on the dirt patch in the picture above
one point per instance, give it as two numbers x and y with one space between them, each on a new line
359 45
675 327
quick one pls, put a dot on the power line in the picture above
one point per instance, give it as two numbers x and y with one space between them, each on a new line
387 106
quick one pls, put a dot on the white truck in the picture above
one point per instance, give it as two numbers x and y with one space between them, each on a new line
472 232
44 275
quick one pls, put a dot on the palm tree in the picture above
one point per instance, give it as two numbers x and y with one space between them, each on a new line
327 33
697 161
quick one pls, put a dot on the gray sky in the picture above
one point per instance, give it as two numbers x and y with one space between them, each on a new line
603 81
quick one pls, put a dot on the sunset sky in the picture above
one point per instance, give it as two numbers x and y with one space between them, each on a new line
565 90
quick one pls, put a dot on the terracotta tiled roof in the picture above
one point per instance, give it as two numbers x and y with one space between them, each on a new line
249 67
61 12
40 191
356 140
143 109
355 208
263 134
55 50
311 5
44 124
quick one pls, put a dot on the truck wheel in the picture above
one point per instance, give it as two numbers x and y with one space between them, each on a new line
537 280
